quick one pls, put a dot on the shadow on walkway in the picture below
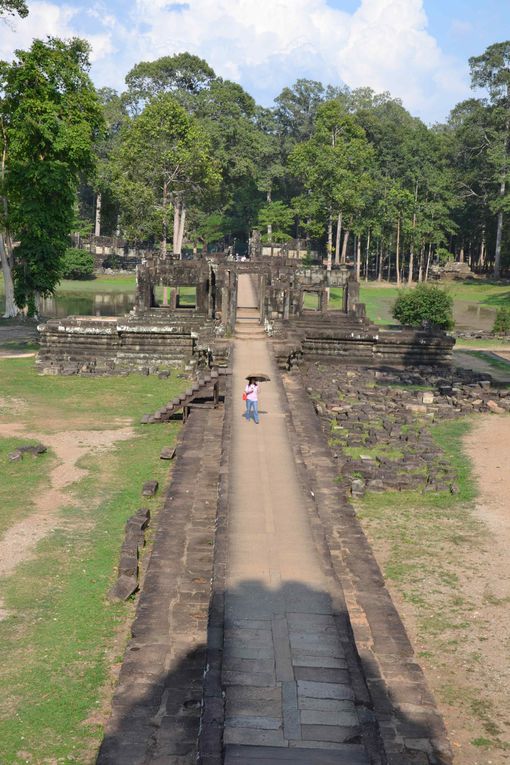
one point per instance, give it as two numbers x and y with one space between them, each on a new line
279 681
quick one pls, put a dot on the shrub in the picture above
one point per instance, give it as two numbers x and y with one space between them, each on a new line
424 306
502 322
77 264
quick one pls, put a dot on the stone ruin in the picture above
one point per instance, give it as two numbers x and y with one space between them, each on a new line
162 331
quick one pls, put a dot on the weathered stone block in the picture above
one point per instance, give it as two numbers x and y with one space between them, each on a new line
150 488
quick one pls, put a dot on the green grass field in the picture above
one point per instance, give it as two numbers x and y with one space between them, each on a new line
60 635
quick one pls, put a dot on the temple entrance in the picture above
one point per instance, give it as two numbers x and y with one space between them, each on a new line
248 308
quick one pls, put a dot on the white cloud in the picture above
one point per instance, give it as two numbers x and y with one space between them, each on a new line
49 19
267 44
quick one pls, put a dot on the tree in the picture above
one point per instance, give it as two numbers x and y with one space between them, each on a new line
77 264
425 305
491 71
333 166
13 7
184 75
278 218
104 194
163 162
49 117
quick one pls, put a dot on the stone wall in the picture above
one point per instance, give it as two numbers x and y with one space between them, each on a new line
351 339
86 346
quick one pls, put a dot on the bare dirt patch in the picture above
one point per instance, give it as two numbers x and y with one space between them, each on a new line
472 682
19 542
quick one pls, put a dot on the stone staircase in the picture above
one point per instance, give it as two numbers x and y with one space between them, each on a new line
206 386
248 325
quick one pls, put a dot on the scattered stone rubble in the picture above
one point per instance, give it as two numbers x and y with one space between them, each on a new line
35 450
377 422
134 541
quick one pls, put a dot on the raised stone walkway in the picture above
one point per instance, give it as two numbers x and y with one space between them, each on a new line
305 659
287 673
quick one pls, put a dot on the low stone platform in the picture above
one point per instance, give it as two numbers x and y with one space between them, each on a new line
354 340
148 343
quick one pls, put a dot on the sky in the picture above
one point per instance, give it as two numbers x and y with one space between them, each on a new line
417 50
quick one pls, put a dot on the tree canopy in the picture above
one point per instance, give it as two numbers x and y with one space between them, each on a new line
189 157
50 117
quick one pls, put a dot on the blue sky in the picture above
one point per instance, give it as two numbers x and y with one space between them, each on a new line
415 49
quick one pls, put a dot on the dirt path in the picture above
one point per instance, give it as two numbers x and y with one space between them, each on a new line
19 542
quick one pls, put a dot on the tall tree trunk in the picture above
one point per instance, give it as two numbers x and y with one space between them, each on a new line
164 233
97 228
481 256
11 309
420 263
181 228
269 225
177 226
338 238
411 265
380 261
397 255
367 255
6 249
344 246
330 242
411 251
429 258
358 257
499 235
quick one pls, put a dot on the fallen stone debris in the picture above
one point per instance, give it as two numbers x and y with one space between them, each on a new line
20 451
378 422
134 541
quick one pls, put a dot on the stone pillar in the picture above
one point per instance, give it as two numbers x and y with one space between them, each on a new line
201 297
286 304
233 300
262 298
352 287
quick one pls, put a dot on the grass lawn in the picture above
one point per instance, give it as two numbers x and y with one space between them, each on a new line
60 635
485 343
497 363
428 546
102 283
379 298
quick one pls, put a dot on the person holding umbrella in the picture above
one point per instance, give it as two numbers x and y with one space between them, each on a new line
252 399
252 395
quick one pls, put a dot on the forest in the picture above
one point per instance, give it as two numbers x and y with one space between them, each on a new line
184 161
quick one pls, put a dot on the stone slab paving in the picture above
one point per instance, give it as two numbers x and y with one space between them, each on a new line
157 704
287 670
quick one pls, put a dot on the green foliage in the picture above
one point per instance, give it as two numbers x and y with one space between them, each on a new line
333 165
13 7
51 116
502 322
164 156
425 305
443 255
280 217
77 264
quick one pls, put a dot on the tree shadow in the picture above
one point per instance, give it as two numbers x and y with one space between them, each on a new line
279 678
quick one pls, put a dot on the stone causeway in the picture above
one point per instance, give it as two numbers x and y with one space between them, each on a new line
219 672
